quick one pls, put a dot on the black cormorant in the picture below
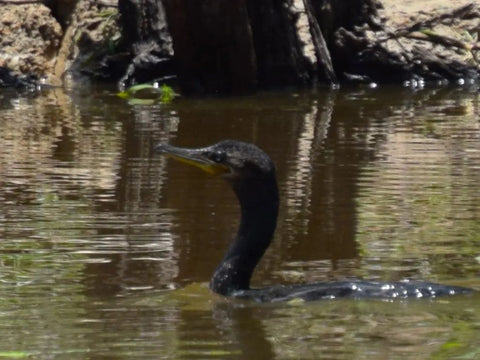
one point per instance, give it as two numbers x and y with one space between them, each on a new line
251 173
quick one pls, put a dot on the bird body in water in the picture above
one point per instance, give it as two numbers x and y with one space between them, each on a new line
251 174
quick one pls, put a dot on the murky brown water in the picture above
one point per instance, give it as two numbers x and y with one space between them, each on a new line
105 251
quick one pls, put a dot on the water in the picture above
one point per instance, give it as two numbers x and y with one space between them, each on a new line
106 250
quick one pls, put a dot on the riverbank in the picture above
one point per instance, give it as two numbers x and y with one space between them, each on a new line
384 41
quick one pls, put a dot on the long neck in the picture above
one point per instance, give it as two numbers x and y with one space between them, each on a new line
259 209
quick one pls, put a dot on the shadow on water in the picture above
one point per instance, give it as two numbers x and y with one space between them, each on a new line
105 250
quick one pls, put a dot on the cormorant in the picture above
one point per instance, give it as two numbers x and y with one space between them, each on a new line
251 174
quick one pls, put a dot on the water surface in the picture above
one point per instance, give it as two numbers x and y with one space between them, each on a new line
106 249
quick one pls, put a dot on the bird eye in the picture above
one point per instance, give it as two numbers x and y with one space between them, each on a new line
217 156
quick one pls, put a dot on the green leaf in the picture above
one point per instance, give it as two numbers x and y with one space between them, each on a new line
148 94
14 354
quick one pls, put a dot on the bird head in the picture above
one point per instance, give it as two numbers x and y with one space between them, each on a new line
230 159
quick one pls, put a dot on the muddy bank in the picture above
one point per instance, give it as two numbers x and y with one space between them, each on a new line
220 47
29 39
426 40
55 39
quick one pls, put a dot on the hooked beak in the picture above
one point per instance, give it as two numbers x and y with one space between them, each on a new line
195 157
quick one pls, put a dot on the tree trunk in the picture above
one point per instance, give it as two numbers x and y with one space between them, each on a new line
213 46
239 46
146 36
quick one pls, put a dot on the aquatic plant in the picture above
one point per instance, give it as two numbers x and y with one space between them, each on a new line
148 94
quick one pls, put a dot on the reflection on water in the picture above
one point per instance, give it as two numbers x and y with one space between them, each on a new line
105 250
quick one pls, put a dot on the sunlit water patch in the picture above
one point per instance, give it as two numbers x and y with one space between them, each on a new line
419 204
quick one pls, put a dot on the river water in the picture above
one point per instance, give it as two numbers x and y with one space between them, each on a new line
106 250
